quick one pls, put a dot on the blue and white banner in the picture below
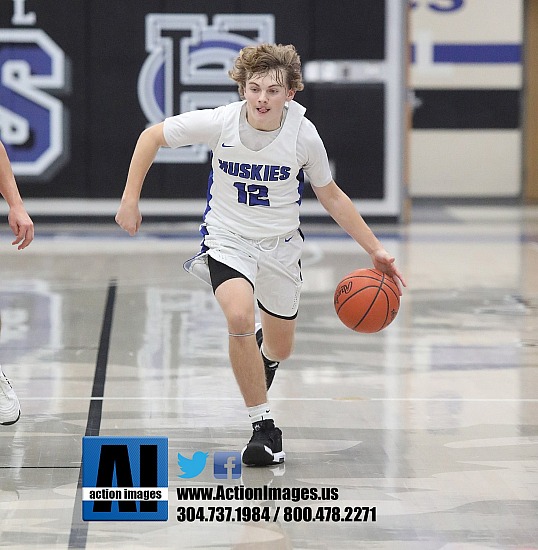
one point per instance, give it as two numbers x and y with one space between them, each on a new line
466 75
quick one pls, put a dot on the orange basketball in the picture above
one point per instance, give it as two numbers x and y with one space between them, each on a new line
366 300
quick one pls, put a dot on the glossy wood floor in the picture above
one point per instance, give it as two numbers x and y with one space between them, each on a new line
432 422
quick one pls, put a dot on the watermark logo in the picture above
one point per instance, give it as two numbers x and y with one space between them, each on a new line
227 465
191 467
125 478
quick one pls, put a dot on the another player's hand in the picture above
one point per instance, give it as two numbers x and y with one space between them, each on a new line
385 262
128 217
22 227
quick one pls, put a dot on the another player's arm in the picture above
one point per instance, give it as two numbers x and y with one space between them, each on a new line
344 213
150 141
18 219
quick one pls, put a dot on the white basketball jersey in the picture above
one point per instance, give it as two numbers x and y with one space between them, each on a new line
256 194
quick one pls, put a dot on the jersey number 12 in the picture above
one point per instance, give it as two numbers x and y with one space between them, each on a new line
253 194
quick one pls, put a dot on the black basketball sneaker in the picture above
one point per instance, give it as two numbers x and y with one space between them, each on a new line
265 445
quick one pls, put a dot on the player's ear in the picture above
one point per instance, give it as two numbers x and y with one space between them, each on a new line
291 95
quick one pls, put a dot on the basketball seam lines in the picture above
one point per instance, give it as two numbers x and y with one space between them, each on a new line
384 284
372 303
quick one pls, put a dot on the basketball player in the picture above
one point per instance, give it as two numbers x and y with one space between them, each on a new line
23 229
252 243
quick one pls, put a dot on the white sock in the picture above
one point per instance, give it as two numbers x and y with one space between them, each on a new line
259 412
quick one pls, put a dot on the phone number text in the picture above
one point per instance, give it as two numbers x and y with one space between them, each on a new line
282 513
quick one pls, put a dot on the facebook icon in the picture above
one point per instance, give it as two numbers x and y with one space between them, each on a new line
227 464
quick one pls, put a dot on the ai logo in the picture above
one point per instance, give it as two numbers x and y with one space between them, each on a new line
125 478
32 121
185 50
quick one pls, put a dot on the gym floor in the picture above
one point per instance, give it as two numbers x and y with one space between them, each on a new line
430 427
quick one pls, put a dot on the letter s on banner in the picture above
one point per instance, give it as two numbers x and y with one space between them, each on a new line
31 120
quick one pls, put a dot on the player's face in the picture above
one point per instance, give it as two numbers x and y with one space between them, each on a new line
266 97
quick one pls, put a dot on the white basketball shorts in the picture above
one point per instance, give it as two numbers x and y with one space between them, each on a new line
272 265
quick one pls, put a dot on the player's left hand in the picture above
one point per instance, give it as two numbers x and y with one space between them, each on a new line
383 261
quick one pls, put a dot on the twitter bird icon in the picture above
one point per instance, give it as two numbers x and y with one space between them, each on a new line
191 467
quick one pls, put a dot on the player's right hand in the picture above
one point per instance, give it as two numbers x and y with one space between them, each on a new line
129 217
22 227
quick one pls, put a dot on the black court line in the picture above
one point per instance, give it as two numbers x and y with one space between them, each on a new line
79 528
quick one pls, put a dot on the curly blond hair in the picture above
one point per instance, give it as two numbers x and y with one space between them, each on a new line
264 58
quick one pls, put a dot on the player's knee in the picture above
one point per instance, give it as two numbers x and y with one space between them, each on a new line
278 351
240 322
283 355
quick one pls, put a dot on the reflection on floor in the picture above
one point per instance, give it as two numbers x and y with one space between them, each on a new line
429 427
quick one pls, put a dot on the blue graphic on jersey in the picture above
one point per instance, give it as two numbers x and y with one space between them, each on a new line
300 187
253 194
209 196
257 172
